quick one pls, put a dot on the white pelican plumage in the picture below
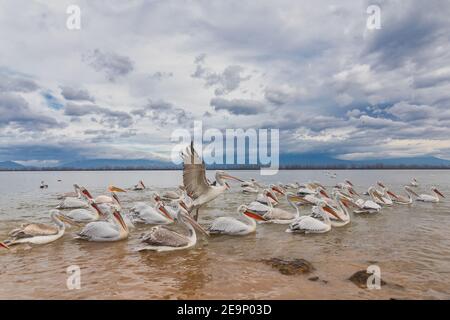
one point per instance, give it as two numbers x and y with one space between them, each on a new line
366 206
161 239
73 194
157 214
264 201
105 231
379 197
195 182
275 215
308 224
233 226
38 233
84 215
429 197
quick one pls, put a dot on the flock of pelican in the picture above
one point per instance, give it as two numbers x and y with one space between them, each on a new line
101 218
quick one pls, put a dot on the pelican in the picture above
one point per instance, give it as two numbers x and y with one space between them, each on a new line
264 201
232 226
72 203
161 239
84 215
278 189
195 182
399 199
251 183
139 187
308 224
43 185
378 197
340 216
105 231
250 189
113 199
38 233
157 214
76 194
427 197
366 206
276 215
414 183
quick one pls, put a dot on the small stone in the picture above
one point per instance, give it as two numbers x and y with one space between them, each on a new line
359 278
313 278
290 267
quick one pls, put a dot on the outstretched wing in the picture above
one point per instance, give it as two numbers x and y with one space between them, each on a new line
194 173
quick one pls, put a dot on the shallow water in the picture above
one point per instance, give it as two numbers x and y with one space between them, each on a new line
411 245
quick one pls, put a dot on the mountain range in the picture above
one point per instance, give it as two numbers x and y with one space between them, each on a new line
290 160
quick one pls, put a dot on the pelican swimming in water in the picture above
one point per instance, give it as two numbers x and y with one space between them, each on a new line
309 224
233 226
427 197
400 199
413 183
84 215
105 231
148 214
275 215
195 182
73 194
264 201
139 186
160 238
104 199
379 197
72 200
38 233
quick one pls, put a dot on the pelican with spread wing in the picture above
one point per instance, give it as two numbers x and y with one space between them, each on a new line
195 182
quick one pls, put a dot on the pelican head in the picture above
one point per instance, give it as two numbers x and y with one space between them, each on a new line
381 184
325 207
349 182
407 188
164 211
268 193
277 189
184 217
243 209
435 190
221 175
119 218
86 193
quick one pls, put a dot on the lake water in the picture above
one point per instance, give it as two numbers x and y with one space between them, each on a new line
410 244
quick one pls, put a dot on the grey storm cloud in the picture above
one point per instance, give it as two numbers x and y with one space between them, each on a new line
163 113
238 106
111 64
10 82
408 32
108 116
70 93
224 82
15 111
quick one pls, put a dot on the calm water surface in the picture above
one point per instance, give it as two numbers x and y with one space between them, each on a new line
411 245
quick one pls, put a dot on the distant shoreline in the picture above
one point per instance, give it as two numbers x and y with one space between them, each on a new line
229 168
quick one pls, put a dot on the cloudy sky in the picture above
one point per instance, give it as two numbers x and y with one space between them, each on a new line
137 70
